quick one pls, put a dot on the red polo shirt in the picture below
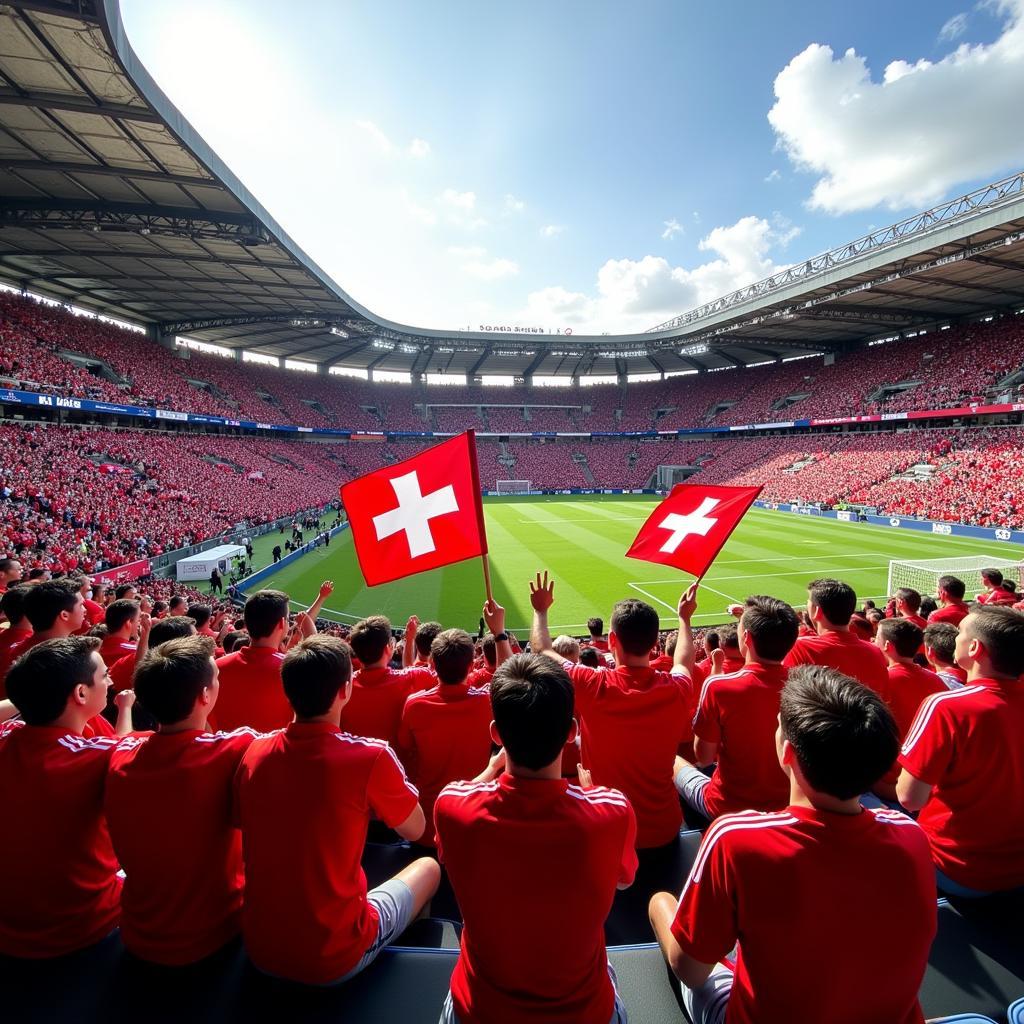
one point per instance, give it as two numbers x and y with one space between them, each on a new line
251 691
168 804
15 650
444 736
908 687
119 657
740 712
304 797
966 744
10 638
378 696
953 613
761 877
636 719
63 892
845 652
534 864
94 612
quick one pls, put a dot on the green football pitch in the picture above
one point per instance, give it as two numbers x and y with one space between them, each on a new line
582 543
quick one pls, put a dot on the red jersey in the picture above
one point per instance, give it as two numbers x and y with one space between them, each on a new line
168 804
304 798
444 736
740 712
996 597
662 663
15 650
845 652
9 638
761 876
597 644
635 720
533 946
378 696
481 676
119 656
908 687
966 743
64 893
251 691
94 612
953 613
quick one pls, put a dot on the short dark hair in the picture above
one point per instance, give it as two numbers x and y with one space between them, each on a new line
728 636
231 640
910 597
171 628
596 626
314 672
452 652
370 638
37 572
844 737
119 612
177 601
591 657
671 639
425 633
489 648
41 680
952 585
636 625
263 611
993 576
903 635
836 600
532 704
124 588
173 675
12 603
158 607
200 614
1001 630
941 638
45 601
862 625
7 564
772 626
711 641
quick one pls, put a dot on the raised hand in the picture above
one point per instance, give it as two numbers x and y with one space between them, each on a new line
494 617
124 700
327 588
688 603
717 662
586 779
542 593
412 625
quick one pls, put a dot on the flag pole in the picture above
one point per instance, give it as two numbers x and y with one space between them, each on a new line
471 437
487 577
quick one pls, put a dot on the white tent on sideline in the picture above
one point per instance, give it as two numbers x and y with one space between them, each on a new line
199 567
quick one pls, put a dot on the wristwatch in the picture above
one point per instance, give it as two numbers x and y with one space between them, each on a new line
501 636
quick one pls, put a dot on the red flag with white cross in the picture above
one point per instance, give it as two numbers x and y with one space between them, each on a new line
418 514
688 529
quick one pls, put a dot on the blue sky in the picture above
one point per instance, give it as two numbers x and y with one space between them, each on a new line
594 165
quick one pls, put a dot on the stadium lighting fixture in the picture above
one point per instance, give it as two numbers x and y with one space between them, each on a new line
338 332
693 350
386 346
409 350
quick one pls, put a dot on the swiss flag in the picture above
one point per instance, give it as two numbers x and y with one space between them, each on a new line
418 514
688 529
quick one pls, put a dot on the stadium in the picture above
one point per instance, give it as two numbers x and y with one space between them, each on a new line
182 393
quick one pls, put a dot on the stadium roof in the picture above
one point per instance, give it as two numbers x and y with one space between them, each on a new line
112 201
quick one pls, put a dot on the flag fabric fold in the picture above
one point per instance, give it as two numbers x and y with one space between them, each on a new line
418 514
689 528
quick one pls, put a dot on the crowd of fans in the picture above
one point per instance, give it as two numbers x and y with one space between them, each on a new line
232 763
940 368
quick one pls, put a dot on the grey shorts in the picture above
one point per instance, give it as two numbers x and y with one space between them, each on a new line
690 784
618 1011
395 907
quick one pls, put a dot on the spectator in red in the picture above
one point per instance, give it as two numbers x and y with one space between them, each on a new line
728 644
952 607
251 693
636 718
595 626
736 719
940 650
120 647
68 895
994 593
963 761
54 609
12 604
830 606
168 805
379 691
533 947
10 572
304 798
906 604
419 638
94 611
758 879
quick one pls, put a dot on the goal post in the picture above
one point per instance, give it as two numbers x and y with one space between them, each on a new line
922 574
514 486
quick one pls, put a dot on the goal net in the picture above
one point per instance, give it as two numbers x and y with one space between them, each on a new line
922 576
514 486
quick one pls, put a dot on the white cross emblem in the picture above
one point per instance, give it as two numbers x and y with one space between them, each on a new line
414 512
682 526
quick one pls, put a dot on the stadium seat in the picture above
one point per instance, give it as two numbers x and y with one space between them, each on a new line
661 869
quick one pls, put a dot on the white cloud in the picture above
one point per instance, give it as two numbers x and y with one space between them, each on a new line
632 295
551 230
954 28
419 148
513 205
375 135
890 142
773 176
486 268
458 200
672 228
